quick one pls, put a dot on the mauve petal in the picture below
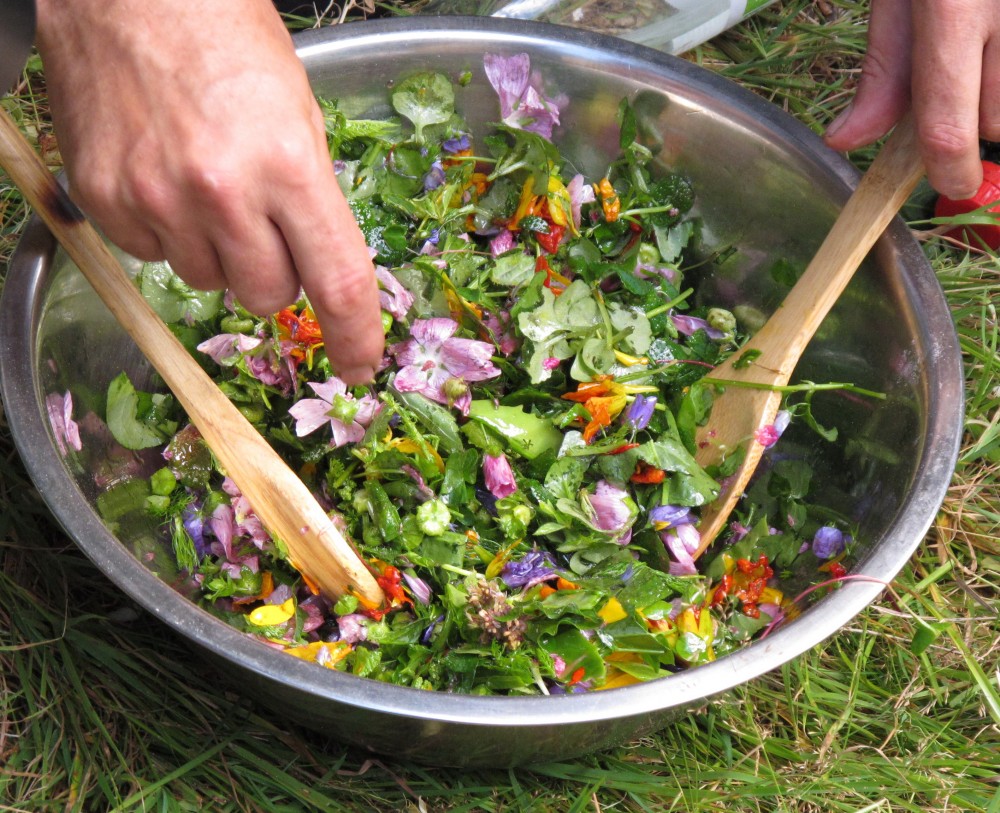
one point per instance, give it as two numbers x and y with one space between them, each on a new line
580 192
420 589
329 389
413 379
684 566
503 242
499 476
223 526
353 628
469 359
392 296
310 414
406 353
689 325
611 513
535 114
432 333
344 433
509 77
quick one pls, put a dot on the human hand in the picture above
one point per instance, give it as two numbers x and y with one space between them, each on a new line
943 59
190 133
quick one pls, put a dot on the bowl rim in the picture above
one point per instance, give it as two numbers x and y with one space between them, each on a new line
20 314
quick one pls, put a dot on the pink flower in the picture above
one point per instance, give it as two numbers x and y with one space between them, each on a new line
682 542
768 435
392 296
504 241
439 366
499 476
612 511
348 416
522 104
580 192
227 348
64 428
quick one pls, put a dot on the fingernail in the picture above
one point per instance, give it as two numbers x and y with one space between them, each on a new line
839 122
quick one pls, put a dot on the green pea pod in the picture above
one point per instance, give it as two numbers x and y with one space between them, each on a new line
386 516
437 420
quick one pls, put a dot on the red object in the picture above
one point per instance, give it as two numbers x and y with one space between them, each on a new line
989 192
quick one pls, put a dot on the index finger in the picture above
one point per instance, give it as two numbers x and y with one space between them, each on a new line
947 77
337 275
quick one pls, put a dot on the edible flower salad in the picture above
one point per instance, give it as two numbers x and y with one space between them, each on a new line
520 476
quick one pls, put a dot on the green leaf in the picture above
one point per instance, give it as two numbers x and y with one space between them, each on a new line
424 98
174 300
135 419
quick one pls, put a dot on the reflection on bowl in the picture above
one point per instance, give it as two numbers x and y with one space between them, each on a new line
765 184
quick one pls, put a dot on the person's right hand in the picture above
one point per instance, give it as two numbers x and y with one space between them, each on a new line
190 133
942 58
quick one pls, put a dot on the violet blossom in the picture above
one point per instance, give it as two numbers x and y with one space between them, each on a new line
534 567
456 145
522 102
348 416
419 589
393 297
65 430
435 176
664 517
499 475
439 366
640 411
612 510
828 542
682 542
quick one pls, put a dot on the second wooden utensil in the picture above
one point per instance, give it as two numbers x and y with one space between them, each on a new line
747 399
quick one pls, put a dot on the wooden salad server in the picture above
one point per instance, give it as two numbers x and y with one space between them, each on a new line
767 361
281 500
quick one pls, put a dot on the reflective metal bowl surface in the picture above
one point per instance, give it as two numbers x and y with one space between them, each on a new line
765 184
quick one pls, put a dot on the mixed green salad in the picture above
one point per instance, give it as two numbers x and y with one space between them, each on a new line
520 477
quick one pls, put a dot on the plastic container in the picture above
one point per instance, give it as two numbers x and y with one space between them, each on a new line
675 26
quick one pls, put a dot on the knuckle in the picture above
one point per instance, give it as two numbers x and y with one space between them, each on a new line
947 140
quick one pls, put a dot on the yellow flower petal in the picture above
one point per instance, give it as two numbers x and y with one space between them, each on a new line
612 611
322 652
270 615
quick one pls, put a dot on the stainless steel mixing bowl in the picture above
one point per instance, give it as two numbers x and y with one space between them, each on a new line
765 184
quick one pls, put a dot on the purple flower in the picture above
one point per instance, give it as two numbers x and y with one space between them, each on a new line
392 296
612 510
348 416
438 366
640 411
456 145
64 428
522 103
664 517
499 476
682 542
647 270
420 589
195 527
688 325
828 542
434 177
534 567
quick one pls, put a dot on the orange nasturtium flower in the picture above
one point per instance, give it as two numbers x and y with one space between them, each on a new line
303 330
609 199
604 399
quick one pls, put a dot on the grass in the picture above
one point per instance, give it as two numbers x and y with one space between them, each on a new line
102 708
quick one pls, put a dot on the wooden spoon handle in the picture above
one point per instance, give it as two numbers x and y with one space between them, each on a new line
881 192
281 500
